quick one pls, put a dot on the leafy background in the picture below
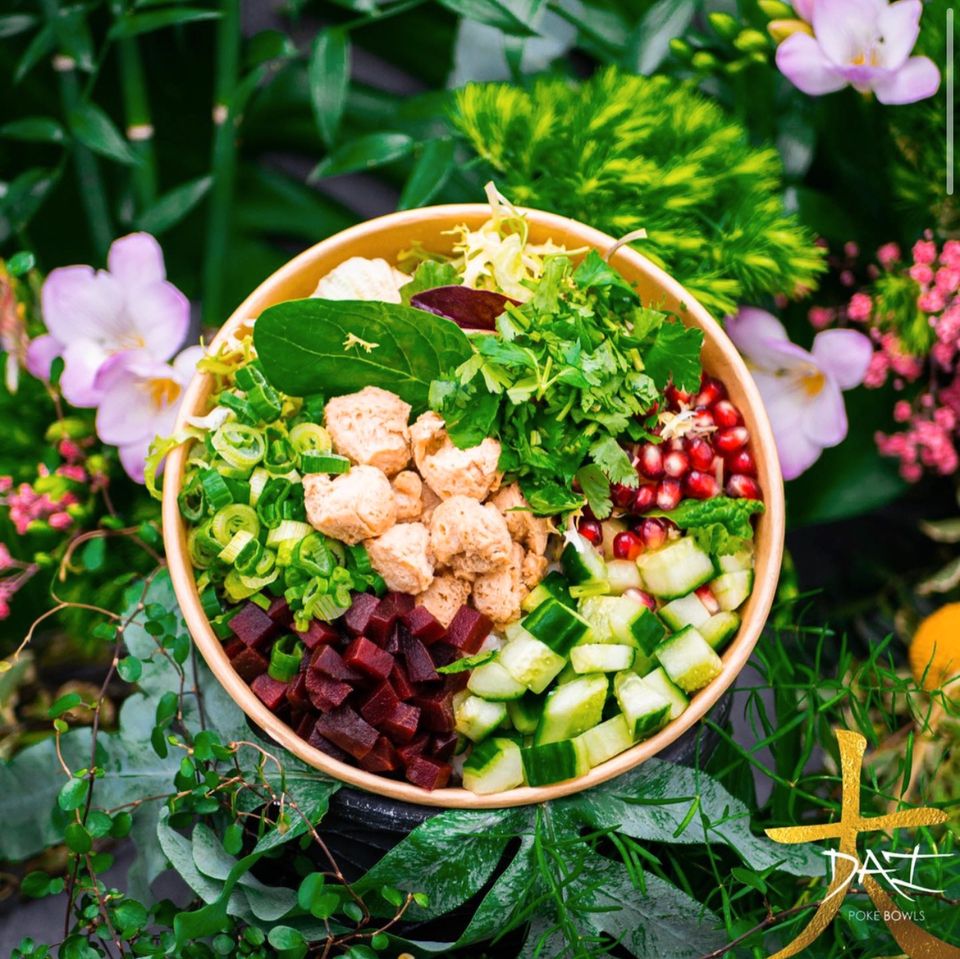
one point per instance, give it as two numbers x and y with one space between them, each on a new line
276 125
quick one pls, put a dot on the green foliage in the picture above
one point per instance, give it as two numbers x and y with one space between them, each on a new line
626 152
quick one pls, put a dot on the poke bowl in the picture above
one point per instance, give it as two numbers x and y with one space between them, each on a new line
475 507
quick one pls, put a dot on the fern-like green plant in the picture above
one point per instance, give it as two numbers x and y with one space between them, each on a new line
621 152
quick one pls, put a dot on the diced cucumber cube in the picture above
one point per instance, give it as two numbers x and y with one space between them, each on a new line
493 766
601 658
732 589
581 562
553 584
688 660
670 691
634 624
554 762
525 713
622 574
596 610
491 681
476 718
644 709
567 675
734 562
529 661
572 708
676 569
556 625
607 740
720 628
686 611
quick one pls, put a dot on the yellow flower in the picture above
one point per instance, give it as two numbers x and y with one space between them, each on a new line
935 650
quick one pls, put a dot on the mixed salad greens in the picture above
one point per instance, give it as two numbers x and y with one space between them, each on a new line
477 514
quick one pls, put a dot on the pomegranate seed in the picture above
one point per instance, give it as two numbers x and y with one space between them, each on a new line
743 487
676 396
731 438
711 390
700 453
653 531
627 545
675 463
703 420
591 530
705 595
668 493
700 485
726 414
645 498
742 462
621 495
650 461
639 596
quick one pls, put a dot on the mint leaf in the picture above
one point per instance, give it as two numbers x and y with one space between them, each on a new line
720 525
596 488
674 355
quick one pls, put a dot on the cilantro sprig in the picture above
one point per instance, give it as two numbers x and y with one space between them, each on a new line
573 374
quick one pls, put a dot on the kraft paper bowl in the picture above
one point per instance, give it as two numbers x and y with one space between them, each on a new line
385 237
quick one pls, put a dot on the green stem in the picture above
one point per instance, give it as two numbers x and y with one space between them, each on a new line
223 161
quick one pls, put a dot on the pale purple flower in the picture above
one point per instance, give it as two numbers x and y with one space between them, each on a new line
801 390
861 43
140 397
92 315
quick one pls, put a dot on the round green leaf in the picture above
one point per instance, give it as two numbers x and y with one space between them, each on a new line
73 794
285 937
233 838
130 669
77 838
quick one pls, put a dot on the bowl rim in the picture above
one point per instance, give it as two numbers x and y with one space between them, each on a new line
734 658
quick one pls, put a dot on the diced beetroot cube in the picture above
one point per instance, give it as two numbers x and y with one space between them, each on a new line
379 704
415 748
428 774
325 693
320 742
270 691
454 682
297 694
402 724
381 620
355 619
329 662
392 642
382 758
420 667
344 728
443 745
436 711
468 630
306 724
424 625
279 612
368 658
253 626
443 654
401 683
246 661
318 632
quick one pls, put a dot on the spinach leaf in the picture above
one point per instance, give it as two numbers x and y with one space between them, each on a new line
720 525
429 275
339 346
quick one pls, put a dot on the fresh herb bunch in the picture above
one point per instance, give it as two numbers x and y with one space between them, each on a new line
573 372
627 152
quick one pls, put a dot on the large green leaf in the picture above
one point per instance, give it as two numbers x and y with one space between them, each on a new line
428 175
34 130
94 129
665 20
328 74
364 153
173 206
496 14
133 24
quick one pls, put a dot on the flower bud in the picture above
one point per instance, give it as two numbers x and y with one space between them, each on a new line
750 41
724 23
775 10
681 49
702 60
781 29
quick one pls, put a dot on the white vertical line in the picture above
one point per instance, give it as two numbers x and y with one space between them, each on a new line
950 81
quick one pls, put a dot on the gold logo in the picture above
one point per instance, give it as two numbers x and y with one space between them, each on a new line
916 943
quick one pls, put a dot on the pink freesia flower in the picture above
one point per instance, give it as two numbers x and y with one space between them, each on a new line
92 315
140 399
861 43
801 390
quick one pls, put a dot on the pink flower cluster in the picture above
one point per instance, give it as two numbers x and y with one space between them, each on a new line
929 438
13 575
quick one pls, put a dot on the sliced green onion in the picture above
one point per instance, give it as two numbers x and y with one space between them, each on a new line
240 541
310 438
312 555
260 600
210 603
239 405
313 407
202 547
232 519
279 457
293 507
265 402
249 376
238 587
258 479
289 529
247 562
239 490
240 445
323 463
285 659
192 501
215 490
270 500
221 625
